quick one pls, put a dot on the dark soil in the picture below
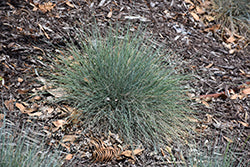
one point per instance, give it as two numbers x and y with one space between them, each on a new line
30 34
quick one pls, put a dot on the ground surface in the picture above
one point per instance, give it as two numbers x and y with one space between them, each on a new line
31 29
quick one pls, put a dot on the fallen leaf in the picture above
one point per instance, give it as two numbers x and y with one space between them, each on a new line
199 10
21 107
69 157
138 151
35 114
228 139
69 4
195 16
37 98
246 91
67 145
9 104
233 97
109 15
231 39
19 79
22 91
59 123
209 18
127 153
46 7
69 138
243 123
214 28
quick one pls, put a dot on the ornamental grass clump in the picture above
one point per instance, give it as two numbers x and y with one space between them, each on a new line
17 149
119 84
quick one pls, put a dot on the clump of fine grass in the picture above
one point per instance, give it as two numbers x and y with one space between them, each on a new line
16 150
232 156
234 14
118 84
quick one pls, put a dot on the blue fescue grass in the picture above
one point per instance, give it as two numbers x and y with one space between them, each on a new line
118 84
17 151
232 156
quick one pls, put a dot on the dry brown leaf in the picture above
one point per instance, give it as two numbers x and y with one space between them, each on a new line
209 18
246 91
243 123
69 4
69 138
199 10
127 153
228 139
21 107
233 97
46 7
35 114
59 123
22 91
231 39
37 98
109 15
20 79
214 28
69 157
9 104
67 145
195 16
138 151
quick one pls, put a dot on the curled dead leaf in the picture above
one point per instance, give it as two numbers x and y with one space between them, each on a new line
19 79
46 7
69 157
69 138
69 4
9 104
59 123
35 114
244 124
195 16
246 91
21 107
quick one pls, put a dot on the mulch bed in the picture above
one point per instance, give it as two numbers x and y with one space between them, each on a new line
31 29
